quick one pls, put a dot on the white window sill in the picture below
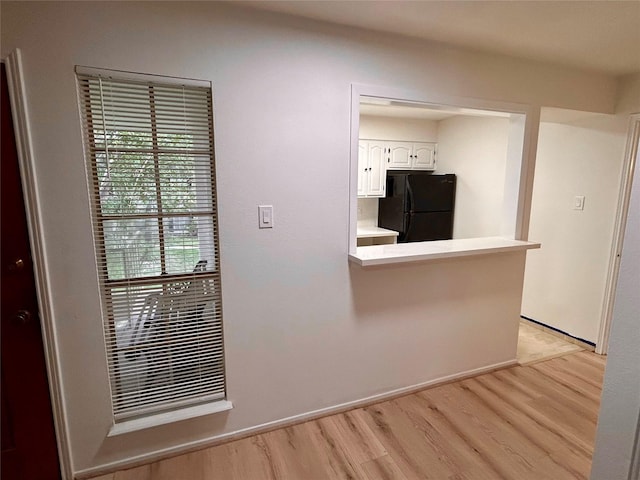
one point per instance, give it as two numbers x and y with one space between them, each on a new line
423 251
134 425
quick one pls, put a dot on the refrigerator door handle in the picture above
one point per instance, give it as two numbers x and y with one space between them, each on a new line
409 197
407 230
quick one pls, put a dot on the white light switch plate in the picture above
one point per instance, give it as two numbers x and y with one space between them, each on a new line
265 216
578 202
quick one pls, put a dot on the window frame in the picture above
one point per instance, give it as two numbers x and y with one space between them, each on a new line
148 416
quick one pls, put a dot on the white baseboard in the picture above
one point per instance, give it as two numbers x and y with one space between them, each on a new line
284 422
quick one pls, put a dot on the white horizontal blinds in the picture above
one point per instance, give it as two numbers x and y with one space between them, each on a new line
149 148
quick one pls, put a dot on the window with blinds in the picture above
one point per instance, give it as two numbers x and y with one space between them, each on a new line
151 173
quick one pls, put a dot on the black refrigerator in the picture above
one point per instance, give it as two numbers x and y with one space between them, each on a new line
418 205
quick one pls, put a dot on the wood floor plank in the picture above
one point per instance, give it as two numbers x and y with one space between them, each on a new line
138 473
592 358
382 468
566 394
575 460
533 422
191 466
590 372
526 392
306 451
241 459
406 444
350 429
507 451
291 453
443 439
572 421
507 390
331 452
579 385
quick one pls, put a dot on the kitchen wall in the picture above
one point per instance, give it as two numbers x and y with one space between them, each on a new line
401 129
304 331
579 154
475 149
367 212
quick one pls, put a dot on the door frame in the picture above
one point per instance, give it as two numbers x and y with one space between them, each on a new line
18 100
626 179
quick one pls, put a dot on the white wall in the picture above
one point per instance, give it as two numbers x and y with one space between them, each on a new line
303 331
565 279
475 149
401 129
367 212
620 408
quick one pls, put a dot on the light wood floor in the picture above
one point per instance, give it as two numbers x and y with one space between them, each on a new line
526 422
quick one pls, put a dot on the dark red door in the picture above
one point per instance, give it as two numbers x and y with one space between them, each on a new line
28 439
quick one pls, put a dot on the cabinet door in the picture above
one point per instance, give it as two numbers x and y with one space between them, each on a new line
377 169
424 156
363 165
399 155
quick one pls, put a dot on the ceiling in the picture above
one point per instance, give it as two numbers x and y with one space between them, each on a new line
601 36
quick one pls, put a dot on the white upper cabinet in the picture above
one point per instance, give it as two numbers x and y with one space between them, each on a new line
400 155
363 165
375 157
371 168
411 156
377 170
424 156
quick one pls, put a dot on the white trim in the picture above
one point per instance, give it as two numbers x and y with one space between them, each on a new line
622 211
525 170
140 77
295 419
150 421
17 95
634 470
520 161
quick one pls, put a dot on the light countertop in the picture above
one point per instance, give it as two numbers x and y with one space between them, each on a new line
371 232
421 251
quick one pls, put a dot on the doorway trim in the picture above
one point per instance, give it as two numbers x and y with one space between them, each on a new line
626 178
18 99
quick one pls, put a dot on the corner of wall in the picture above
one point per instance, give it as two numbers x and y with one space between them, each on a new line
628 94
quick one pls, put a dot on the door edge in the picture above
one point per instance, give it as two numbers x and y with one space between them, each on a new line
18 100
622 210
